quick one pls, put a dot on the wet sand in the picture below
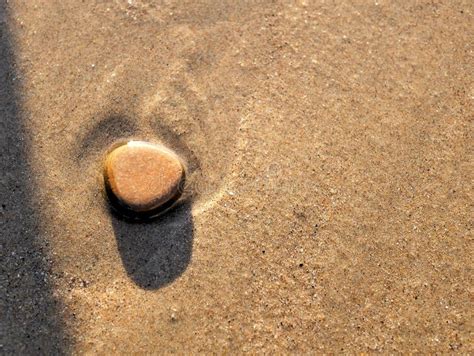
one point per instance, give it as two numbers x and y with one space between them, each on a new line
329 200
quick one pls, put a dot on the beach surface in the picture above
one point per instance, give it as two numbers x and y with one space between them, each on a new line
329 199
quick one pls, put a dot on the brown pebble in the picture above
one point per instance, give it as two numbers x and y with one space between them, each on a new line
142 179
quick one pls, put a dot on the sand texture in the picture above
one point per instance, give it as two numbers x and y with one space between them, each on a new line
329 197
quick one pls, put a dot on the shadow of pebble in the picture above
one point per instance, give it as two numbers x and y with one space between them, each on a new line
155 253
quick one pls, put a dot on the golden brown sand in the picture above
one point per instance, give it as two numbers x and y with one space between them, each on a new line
330 197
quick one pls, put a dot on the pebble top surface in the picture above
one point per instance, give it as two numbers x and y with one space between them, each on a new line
143 176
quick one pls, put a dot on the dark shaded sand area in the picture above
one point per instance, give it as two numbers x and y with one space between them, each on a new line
30 315
329 202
